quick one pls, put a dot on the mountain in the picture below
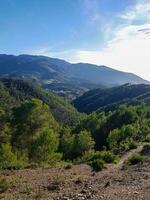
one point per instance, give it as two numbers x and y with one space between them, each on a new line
62 77
109 99
14 91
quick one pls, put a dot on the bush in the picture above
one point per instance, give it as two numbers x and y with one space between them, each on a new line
109 157
133 145
147 138
98 164
4 185
106 156
135 159
7 157
68 166
10 159
83 143
43 148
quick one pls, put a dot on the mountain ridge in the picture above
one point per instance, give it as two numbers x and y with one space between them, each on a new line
62 77
108 99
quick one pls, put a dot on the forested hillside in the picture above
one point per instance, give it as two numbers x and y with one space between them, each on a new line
39 128
19 90
109 99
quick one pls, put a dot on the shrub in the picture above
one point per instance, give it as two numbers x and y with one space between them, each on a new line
109 157
56 183
135 159
83 143
7 157
68 166
133 145
106 156
4 185
147 138
10 159
43 148
146 150
98 164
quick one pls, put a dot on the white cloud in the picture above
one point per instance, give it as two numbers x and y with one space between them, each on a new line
140 11
130 48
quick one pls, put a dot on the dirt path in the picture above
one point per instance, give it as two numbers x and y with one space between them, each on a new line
80 182
124 158
130 153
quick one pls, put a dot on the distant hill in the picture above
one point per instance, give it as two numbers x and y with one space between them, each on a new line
109 99
14 91
62 77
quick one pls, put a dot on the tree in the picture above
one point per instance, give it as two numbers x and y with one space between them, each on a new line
43 148
67 143
7 157
5 129
83 143
30 119
119 137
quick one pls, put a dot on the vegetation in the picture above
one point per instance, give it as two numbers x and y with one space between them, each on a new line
135 158
4 185
35 131
109 99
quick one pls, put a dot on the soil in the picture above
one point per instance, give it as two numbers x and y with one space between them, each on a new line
81 183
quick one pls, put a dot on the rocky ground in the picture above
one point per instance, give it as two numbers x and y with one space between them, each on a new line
80 182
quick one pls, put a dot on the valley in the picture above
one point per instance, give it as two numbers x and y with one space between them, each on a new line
94 145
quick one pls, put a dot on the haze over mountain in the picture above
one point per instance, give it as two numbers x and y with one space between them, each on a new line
63 77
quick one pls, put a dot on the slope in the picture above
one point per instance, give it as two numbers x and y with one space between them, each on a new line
63 77
17 90
109 99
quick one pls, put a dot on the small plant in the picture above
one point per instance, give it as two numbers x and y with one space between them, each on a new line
4 185
79 181
135 159
98 164
38 195
146 149
56 183
27 190
133 145
147 138
68 166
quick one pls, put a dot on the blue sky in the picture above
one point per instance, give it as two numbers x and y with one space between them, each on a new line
110 32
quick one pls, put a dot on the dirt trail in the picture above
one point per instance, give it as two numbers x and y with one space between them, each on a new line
130 153
125 157
80 182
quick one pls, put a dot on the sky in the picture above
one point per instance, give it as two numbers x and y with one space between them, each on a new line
115 33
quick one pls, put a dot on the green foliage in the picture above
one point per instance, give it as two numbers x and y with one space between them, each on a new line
108 99
4 185
30 135
118 137
7 157
5 128
74 146
17 90
68 166
98 164
29 120
106 156
67 143
83 142
147 138
135 159
43 148
10 159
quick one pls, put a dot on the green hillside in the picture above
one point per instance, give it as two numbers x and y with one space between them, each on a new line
13 91
109 99
38 128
